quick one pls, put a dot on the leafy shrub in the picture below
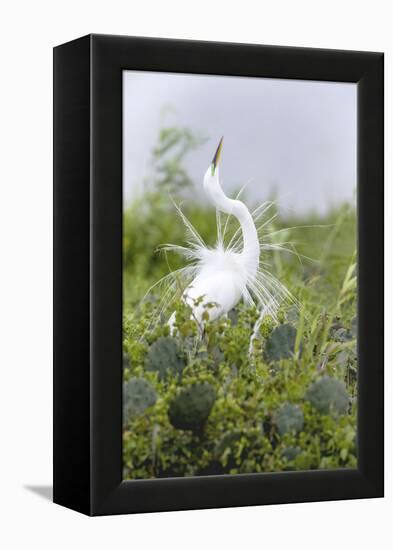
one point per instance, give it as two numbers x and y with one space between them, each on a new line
226 443
290 453
230 412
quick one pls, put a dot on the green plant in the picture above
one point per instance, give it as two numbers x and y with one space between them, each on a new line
251 383
138 395
173 146
281 343
164 357
289 418
190 409
291 452
328 396
226 442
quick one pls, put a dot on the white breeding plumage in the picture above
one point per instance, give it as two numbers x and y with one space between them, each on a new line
218 278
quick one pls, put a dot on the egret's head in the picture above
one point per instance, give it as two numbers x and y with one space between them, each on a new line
212 187
211 175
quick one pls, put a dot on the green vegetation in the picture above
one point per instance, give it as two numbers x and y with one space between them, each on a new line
237 400
163 357
289 418
191 407
138 395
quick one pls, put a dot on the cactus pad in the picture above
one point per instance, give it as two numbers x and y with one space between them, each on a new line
138 395
289 418
190 409
281 343
328 395
164 357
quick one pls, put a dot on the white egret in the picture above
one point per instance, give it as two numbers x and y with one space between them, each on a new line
218 278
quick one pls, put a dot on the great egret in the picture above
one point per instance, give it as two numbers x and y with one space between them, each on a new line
218 278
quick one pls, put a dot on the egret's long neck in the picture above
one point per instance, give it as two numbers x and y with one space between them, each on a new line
251 248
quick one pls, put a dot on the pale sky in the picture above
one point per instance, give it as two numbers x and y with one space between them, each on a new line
298 137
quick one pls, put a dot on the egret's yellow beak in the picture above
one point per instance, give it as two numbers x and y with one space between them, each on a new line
216 158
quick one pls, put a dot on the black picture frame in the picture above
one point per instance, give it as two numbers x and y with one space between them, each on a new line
88 274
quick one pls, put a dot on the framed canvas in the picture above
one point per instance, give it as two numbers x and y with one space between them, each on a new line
218 303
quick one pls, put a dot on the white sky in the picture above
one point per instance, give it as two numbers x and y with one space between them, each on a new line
298 137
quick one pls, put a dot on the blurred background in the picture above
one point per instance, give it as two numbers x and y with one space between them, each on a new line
292 139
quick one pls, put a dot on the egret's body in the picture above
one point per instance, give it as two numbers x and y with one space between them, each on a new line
223 275
219 284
